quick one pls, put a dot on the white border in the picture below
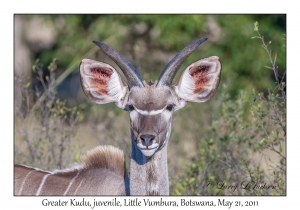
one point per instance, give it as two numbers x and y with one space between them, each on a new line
129 6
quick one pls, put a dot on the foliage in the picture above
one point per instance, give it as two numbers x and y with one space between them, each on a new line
150 41
47 127
243 152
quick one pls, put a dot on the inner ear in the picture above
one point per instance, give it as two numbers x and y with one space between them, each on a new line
200 76
200 80
102 83
100 76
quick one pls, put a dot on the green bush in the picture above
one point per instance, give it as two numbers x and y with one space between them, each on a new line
243 151
46 130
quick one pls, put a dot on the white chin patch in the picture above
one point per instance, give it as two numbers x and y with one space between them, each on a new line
150 151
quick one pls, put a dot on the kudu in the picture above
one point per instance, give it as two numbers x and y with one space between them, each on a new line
150 106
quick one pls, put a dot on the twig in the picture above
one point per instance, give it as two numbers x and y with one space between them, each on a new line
273 62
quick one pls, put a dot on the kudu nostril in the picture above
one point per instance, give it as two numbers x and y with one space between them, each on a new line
147 139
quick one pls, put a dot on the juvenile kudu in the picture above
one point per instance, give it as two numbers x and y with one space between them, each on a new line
150 106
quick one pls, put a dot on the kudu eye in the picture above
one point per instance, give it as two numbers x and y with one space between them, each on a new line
130 107
170 107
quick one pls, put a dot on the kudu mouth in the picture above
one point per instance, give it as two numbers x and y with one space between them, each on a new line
148 152
147 144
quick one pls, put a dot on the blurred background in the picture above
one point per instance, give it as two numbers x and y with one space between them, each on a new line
237 136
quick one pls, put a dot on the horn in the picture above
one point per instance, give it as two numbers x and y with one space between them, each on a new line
171 69
132 75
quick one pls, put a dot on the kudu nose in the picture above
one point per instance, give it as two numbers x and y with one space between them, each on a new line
147 139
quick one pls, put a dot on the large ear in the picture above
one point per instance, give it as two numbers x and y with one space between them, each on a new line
101 83
200 80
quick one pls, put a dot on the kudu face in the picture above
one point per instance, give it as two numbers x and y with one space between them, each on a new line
151 112
150 105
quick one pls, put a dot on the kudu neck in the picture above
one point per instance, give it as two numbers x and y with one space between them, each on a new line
148 176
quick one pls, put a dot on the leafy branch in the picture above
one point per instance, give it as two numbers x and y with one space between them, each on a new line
274 68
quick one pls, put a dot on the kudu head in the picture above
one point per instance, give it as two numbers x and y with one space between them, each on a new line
150 105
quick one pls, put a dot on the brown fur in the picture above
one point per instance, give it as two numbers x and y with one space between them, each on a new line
105 157
101 172
150 97
29 186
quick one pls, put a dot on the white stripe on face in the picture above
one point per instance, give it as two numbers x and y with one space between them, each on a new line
152 112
